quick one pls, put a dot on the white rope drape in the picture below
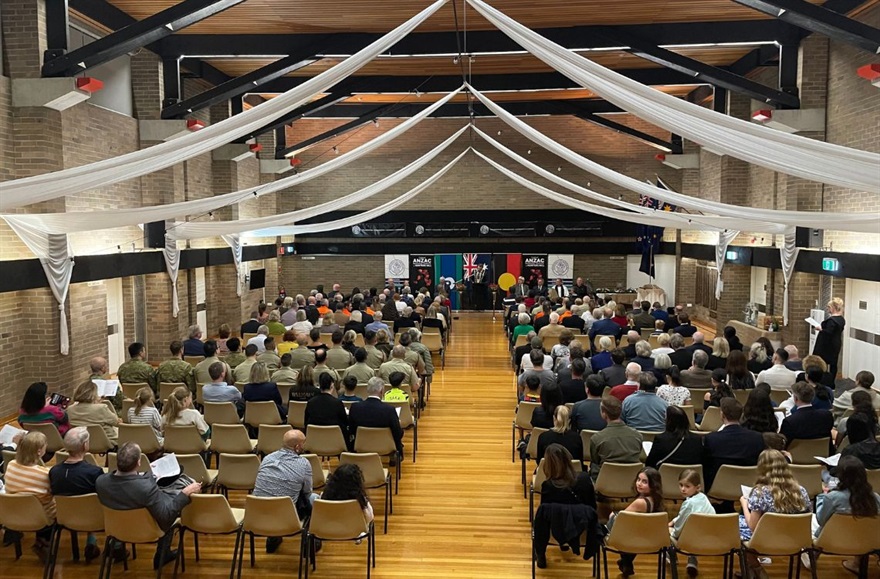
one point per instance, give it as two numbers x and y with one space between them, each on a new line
57 261
234 242
171 253
69 181
787 153
198 229
364 216
105 219
788 254
724 239
862 222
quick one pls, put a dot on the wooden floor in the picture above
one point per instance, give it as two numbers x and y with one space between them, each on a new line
460 512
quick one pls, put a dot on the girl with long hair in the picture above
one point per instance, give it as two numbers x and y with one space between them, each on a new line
144 412
346 483
304 388
563 485
738 375
719 355
648 488
551 397
720 389
758 412
676 444
758 359
561 434
178 411
775 491
853 496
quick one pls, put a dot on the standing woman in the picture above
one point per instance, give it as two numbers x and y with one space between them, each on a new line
830 337
648 487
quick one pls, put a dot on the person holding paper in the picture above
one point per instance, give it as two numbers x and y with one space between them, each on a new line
853 496
775 491
99 370
126 489
829 340
88 410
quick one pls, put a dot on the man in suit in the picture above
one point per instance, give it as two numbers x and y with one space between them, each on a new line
642 318
681 357
732 445
684 327
540 287
632 337
572 320
373 413
325 409
581 289
806 422
521 289
658 313
126 489
252 325
699 344
605 326
697 376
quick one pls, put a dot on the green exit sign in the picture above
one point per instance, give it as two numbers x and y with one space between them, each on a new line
830 264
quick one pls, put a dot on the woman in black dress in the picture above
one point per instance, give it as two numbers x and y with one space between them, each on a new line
677 444
830 337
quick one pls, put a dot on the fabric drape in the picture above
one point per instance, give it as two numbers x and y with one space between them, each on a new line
234 242
364 216
862 222
787 153
56 259
76 221
724 239
69 181
788 254
171 253
670 219
197 229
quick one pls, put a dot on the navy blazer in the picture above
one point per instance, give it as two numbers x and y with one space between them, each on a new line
373 413
265 392
734 445
605 327
807 423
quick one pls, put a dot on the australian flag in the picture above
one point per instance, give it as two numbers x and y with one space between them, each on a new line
648 237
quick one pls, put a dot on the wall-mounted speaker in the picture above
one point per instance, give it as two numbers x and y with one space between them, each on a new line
808 237
154 234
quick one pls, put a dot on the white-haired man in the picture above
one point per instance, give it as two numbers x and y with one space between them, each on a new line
193 345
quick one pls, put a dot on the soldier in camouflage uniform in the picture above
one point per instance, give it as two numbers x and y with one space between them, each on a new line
235 356
176 369
99 369
136 369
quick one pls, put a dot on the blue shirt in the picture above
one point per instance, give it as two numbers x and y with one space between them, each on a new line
220 392
377 327
645 411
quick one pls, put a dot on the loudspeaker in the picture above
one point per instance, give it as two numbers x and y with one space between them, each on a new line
808 237
154 234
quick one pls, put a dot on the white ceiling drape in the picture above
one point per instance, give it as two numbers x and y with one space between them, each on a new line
862 222
69 181
783 152
724 240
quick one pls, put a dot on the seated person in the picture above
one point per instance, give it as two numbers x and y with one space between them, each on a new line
533 389
27 475
144 412
396 394
178 411
260 388
349 384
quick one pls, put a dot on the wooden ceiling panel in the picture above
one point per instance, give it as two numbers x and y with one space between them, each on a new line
313 16
495 64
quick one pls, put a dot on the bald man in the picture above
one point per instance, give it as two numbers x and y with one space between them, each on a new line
699 343
628 388
284 473
398 363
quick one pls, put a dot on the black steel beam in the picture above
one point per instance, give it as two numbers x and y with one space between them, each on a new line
479 41
579 112
344 128
313 107
789 55
171 81
236 86
719 100
136 35
764 55
701 72
821 19
406 110
196 68
486 82
57 30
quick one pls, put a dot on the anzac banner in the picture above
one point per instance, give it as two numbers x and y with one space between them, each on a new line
421 273
534 266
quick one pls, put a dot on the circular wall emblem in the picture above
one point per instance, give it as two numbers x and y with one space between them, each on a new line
484 229
356 229
420 229
550 229
396 267
559 268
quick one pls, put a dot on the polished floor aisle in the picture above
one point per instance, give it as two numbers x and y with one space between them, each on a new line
460 512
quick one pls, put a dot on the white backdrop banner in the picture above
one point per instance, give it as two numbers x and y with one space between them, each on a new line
560 265
396 266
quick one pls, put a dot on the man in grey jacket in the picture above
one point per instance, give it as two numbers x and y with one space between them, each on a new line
126 489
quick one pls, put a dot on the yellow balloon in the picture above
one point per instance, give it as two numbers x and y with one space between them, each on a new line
506 281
